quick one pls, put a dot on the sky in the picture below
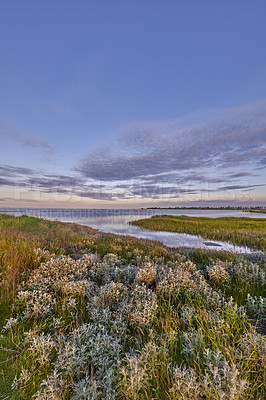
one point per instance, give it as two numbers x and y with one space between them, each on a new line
127 104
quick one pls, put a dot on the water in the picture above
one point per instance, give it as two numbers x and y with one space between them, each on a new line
117 221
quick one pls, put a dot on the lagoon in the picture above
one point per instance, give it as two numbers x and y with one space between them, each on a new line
117 221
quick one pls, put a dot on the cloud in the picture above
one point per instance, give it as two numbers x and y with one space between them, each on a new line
182 178
10 132
27 177
98 195
206 152
24 200
151 188
55 183
237 187
225 139
242 174
155 191
6 182
12 171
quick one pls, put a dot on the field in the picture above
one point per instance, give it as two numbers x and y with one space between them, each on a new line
91 316
250 232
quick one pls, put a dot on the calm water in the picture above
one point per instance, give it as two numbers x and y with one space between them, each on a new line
117 221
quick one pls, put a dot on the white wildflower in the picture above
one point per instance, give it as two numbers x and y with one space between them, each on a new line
9 324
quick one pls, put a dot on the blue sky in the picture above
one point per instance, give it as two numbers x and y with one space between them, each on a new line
132 104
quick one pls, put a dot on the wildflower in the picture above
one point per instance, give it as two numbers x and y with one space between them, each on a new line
9 324
186 384
41 347
222 380
256 306
147 275
218 273
143 306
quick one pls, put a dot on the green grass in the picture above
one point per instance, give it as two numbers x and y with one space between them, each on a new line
250 232
126 318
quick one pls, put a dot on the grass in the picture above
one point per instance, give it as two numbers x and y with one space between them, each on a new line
86 315
250 232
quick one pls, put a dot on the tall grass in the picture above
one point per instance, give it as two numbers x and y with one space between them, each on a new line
106 317
249 232
19 239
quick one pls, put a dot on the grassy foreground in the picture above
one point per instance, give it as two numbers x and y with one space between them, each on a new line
244 231
92 316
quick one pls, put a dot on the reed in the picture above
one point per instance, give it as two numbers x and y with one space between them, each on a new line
250 232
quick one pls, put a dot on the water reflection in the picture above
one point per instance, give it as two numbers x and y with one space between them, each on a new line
117 221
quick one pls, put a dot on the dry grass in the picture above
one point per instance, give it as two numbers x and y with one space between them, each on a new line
106 317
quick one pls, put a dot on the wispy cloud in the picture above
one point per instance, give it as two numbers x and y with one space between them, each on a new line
10 132
7 182
13 171
229 139
242 174
151 188
208 152
237 187
53 183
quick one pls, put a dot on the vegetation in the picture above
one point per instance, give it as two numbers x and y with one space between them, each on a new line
249 232
92 316
239 208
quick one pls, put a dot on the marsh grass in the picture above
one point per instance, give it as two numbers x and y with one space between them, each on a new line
250 232
92 316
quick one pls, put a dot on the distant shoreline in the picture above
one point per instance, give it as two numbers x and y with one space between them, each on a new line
244 209
256 211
